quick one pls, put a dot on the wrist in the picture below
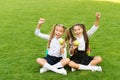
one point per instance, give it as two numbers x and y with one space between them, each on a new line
62 51
39 23
97 18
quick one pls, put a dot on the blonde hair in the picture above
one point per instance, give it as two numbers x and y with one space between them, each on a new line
53 32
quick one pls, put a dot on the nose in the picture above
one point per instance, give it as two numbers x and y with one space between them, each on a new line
57 32
77 32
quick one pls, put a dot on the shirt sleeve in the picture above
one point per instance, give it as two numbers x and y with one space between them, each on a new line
92 30
41 35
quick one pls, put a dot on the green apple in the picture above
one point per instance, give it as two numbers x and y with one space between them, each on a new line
61 41
76 43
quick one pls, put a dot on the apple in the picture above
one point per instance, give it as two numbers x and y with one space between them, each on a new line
76 43
61 41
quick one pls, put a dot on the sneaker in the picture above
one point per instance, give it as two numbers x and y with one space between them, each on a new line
100 68
42 70
73 69
96 68
63 71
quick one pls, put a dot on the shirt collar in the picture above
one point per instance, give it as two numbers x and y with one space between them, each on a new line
57 38
79 37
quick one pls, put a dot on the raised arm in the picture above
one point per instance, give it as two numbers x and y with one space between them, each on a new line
37 31
95 26
98 15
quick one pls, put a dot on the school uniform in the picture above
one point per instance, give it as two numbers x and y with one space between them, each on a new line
54 56
80 56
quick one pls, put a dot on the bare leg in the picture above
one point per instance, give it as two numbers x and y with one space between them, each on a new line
73 65
65 61
46 65
41 61
95 61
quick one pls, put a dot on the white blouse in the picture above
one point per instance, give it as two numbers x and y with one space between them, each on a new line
54 49
81 40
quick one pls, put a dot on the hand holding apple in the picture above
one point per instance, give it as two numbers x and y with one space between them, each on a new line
76 43
61 41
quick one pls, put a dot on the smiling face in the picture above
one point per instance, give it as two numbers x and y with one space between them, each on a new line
59 31
77 31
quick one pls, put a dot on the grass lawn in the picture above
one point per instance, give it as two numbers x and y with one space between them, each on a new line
20 47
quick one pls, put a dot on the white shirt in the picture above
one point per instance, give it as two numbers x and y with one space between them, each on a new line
81 40
54 49
41 35
92 30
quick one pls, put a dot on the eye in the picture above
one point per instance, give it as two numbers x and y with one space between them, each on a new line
56 29
74 30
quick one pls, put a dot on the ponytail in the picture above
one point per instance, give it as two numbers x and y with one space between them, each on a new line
71 34
85 37
51 35
84 34
53 32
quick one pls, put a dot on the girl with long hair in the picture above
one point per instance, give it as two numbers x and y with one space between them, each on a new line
56 58
79 58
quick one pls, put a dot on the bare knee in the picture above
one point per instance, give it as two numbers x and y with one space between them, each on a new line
70 63
41 61
65 61
99 59
38 60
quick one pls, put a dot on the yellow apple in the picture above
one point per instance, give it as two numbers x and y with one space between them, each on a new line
61 41
76 43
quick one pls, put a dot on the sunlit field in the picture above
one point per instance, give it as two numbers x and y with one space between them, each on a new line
116 1
20 48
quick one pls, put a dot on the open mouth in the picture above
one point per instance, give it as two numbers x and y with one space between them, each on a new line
77 33
57 35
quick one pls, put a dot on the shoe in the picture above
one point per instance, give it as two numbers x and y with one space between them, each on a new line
42 70
100 68
72 69
63 71
96 68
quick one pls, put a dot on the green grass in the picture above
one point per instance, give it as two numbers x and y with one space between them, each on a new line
20 47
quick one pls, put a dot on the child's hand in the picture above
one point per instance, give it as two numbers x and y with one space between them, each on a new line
74 47
62 46
98 15
75 44
41 20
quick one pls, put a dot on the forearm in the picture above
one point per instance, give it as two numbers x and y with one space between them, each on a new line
92 30
72 51
40 22
38 26
98 15
96 22
41 35
62 51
